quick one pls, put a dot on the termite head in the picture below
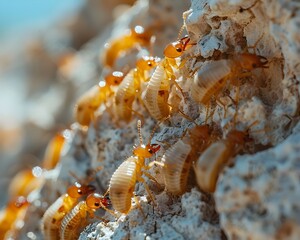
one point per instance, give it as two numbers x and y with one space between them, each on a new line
176 49
77 190
238 137
96 201
146 63
114 78
250 61
200 132
146 151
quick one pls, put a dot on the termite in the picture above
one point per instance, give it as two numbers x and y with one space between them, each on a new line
91 100
177 48
76 219
14 211
178 158
212 78
156 95
212 161
53 151
25 181
128 90
131 171
133 38
53 216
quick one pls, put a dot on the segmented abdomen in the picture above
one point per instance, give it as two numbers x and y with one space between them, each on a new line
72 222
122 184
177 167
157 94
53 216
210 80
210 164
125 96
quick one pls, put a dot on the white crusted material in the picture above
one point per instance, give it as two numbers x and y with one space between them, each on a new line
259 197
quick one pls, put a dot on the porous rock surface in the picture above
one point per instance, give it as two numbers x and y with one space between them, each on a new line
257 197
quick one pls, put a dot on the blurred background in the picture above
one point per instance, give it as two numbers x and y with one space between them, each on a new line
40 45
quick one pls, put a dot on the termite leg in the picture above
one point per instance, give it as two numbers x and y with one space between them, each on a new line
148 190
179 88
139 206
255 44
223 105
152 178
108 210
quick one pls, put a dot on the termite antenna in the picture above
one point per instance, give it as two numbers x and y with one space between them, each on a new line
155 128
139 126
180 31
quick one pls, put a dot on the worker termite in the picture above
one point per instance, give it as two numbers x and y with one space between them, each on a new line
53 216
133 38
177 48
131 171
14 211
25 181
212 78
212 161
90 101
128 90
53 151
156 95
178 158
76 219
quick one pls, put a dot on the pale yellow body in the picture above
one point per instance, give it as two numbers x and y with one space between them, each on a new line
125 96
210 80
53 216
89 102
122 183
74 221
157 93
211 163
176 167
53 151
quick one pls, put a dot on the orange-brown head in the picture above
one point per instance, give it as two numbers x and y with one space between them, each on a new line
95 201
238 137
77 190
114 78
146 151
146 63
249 61
176 49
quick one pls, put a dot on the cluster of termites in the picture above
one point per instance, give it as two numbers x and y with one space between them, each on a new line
148 84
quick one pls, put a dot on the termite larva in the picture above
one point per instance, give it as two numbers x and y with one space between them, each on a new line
76 219
123 180
212 161
53 216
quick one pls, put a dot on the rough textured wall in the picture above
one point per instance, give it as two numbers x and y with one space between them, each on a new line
257 197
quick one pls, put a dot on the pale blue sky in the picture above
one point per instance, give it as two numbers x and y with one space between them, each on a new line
19 14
